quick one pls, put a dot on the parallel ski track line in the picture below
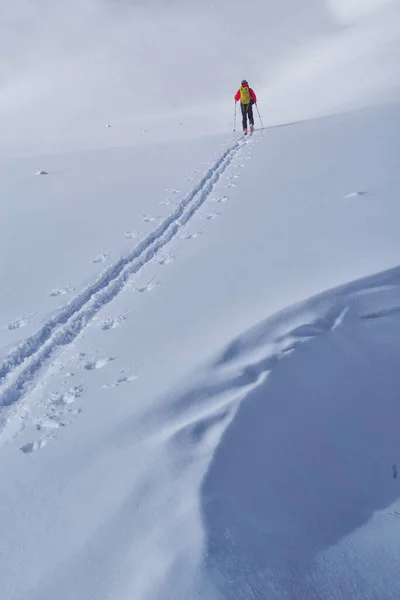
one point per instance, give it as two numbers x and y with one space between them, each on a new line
18 370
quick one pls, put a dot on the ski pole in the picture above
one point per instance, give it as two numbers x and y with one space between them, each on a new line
259 116
234 118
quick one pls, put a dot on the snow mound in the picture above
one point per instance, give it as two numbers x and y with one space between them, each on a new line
305 409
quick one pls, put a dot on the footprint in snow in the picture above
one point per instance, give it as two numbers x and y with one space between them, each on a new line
130 235
166 202
69 396
165 259
30 447
173 191
55 418
22 321
111 322
120 381
220 200
149 218
61 291
355 194
148 287
232 184
97 363
235 176
102 257
211 216
190 236
50 423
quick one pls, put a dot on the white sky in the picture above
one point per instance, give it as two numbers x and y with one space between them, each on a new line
67 69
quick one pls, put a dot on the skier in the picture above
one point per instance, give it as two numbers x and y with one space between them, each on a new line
247 98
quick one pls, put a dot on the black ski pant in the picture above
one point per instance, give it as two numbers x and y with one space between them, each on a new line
247 111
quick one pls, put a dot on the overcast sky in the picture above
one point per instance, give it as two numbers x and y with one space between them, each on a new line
66 66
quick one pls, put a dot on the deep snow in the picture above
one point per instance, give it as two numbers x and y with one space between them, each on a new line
170 431
198 331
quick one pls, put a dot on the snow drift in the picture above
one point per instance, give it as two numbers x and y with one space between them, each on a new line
313 447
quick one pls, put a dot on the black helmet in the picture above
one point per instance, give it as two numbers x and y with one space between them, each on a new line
244 81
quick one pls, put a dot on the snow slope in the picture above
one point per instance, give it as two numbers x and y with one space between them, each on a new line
171 68
168 428
198 331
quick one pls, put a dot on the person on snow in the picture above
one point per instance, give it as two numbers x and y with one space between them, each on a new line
247 98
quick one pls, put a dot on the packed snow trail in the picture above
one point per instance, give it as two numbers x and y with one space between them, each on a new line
19 368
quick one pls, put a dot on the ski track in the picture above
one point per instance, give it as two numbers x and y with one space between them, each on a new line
18 370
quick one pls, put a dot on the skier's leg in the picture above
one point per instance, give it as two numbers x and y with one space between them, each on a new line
250 112
244 116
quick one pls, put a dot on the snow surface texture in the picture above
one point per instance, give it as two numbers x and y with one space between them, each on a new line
268 472
199 383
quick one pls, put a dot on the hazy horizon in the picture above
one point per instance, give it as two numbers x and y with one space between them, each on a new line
69 70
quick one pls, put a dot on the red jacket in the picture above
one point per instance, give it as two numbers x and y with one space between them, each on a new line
252 94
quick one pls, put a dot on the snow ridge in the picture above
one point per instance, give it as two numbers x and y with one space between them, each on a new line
22 363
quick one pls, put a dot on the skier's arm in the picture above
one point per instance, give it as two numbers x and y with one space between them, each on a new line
253 95
237 96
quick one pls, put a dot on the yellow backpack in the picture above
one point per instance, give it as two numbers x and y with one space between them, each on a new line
245 94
